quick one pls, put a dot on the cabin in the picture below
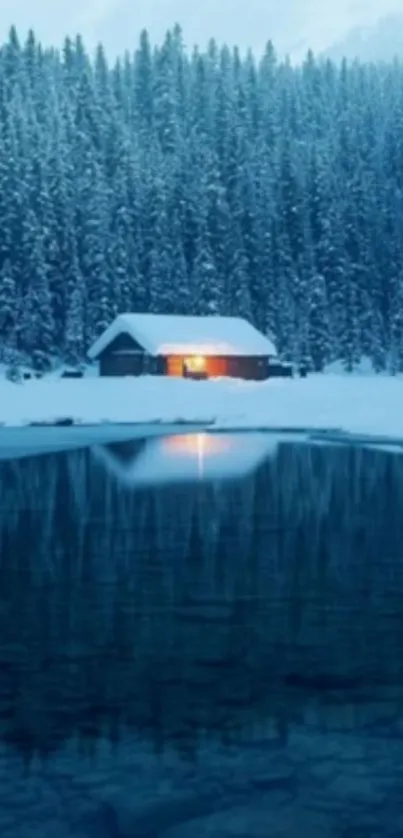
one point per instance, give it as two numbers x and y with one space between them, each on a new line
183 346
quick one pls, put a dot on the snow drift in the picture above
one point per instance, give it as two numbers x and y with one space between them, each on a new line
365 406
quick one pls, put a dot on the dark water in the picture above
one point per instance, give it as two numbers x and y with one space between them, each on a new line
202 637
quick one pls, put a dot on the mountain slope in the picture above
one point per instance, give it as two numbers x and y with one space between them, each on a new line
382 41
252 26
292 25
350 27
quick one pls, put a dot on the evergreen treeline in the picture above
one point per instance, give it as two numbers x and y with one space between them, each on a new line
204 182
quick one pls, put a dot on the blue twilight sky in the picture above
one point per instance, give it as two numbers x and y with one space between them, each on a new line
293 25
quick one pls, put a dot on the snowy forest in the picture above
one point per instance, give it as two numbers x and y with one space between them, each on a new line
200 182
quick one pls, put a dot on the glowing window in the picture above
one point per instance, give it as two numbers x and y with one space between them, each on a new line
197 363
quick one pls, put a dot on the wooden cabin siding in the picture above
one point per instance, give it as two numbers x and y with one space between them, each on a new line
130 364
174 366
218 367
214 367
125 356
121 365
252 368
121 343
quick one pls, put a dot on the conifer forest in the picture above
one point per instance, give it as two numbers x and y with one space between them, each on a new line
179 181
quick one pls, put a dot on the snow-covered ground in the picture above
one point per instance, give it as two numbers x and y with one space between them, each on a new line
367 405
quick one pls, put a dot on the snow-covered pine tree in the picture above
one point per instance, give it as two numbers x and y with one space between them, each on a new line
8 308
181 292
300 169
144 82
206 284
395 342
238 300
92 245
74 336
37 327
165 109
319 333
350 349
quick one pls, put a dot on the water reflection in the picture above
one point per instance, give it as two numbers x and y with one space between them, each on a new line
239 640
187 457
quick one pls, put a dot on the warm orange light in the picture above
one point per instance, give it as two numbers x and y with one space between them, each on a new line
197 363
192 444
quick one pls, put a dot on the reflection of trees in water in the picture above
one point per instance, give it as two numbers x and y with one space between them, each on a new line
188 612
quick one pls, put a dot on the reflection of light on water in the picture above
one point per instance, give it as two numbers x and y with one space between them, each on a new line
197 446
200 455
189 457
192 444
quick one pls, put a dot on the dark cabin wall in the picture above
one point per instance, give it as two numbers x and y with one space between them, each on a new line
125 356
249 368
121 365
126 364
123 342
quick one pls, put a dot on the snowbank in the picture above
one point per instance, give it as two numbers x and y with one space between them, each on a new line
362 405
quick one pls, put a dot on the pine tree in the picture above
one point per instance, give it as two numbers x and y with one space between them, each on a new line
144 71
164 95
37 327
395 344
92 249
201 183
351 337
238 301
319 348
74 337
182 301
206 284
8 307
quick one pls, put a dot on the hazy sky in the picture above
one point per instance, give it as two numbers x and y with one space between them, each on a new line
293 25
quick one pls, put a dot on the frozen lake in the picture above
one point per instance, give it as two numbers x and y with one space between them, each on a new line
38 439
201 636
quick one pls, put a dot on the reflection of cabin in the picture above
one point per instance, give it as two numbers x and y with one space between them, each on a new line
185 458
190 347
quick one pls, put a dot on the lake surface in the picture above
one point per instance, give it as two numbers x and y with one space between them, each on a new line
202 636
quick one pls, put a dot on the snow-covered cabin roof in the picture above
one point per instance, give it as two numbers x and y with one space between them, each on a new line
171 334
